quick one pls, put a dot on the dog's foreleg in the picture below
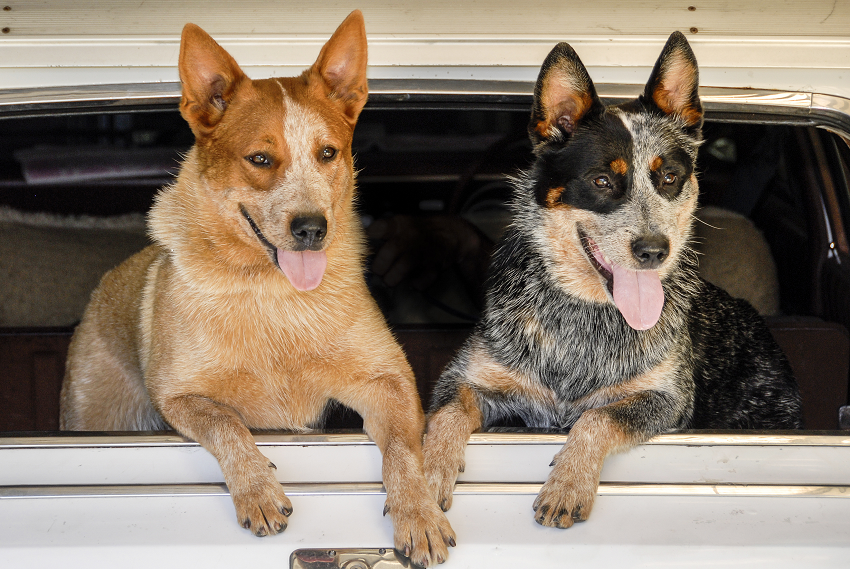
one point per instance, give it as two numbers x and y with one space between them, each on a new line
261 505
569 493
445 443
392 416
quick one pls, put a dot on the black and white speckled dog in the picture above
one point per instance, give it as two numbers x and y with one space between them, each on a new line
595 317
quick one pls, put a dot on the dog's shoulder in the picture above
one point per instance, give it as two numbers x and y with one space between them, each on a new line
715 317
741 375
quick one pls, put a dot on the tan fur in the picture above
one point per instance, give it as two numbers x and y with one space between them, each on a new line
656 163
575 474
567 361
569 261
488 374
673 92
561 98
450 427
445 444
202 328
533 329
619 166
574 478
553 198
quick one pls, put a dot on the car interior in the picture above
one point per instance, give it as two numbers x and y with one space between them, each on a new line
434 187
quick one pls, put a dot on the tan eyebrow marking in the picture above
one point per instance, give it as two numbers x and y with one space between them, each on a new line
656 163
619 166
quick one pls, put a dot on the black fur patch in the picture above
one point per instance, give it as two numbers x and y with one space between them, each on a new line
584 157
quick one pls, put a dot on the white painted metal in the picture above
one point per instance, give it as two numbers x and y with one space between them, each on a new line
796 46
716 521
625 531
669 459
477 17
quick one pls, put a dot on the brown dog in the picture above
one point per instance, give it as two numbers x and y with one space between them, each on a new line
250 310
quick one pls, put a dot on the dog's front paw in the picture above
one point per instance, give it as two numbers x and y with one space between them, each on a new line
564 500
261 505
421 532
442 466
441 477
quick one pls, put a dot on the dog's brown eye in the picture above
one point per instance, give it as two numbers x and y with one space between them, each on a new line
669 178
602 182
258 159
328 152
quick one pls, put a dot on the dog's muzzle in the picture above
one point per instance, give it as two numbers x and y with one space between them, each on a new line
309 232
305 265
637 294
262 238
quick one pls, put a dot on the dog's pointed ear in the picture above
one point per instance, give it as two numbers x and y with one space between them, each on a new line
209 75
342 66
563 96
673 86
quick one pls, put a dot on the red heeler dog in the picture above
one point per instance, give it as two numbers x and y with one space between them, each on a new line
250 310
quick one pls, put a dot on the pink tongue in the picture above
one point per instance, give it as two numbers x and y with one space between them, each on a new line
639 296
304 269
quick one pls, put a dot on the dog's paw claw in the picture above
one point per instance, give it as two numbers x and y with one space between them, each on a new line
441 481
561 505
422 533
262 509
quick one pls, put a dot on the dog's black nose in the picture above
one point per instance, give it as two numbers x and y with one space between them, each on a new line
309 231
651 251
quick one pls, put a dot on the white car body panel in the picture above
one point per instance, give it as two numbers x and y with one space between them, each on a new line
789 46
687 500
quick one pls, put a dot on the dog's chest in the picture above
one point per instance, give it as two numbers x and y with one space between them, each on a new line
272 363
286 394
283 403
573 348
